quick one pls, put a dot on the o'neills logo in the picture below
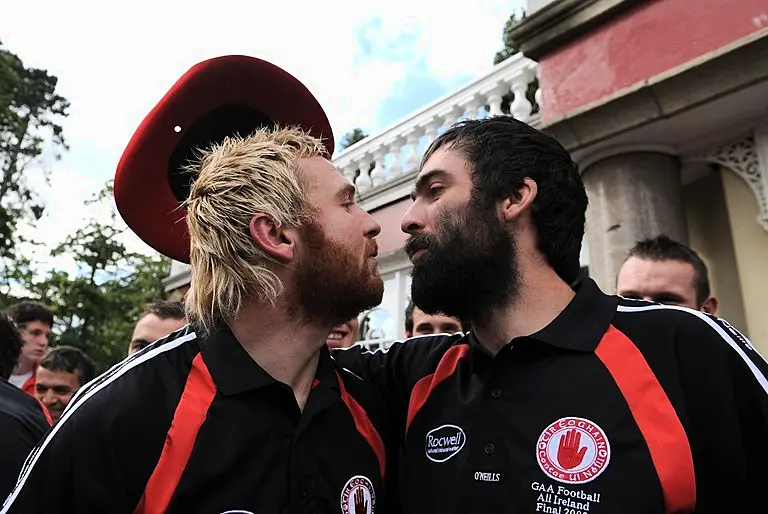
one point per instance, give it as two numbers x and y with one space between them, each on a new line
573 450
358 496
444 442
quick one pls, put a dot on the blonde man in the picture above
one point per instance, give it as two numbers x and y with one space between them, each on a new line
244 410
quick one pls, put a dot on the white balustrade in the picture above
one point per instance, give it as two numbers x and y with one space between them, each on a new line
396 151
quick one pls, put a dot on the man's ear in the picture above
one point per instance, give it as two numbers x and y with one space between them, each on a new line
710 306
278 242
520 201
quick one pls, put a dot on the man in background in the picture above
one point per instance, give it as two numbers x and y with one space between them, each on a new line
344 335
23 420
34 322
419 323
158 319
665 271
60 374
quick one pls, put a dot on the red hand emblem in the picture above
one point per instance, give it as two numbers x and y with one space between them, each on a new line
569 455
361 506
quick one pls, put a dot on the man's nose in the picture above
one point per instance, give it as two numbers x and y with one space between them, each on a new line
412 221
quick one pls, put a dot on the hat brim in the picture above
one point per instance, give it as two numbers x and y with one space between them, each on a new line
144 193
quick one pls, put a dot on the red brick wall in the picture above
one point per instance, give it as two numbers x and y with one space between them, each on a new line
653 37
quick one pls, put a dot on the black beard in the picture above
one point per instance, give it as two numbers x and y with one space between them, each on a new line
331 287
469 267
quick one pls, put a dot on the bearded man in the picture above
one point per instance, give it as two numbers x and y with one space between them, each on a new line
560 399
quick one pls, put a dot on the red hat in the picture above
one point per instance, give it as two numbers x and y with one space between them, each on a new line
220 97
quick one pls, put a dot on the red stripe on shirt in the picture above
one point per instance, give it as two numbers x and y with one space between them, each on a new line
189 416
364 426
424 387
656 418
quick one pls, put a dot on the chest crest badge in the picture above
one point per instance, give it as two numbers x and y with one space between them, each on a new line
573 450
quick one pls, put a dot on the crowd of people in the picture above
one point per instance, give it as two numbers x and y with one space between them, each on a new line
522 386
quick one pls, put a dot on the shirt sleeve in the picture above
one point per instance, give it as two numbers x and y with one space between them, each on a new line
73 469
726 400
394 371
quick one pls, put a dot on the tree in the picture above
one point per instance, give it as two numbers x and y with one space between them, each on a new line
350 138
96 309
30 115
512 47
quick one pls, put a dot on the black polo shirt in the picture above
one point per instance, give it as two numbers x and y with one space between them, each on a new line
193 424
617 406
22 425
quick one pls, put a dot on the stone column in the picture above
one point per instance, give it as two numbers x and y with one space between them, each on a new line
632 196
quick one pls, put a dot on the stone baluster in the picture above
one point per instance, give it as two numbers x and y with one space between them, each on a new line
453 115
471 107
350 171
494 98
395 150
431 129
537 97
520 108
537 94
363 181
412 159
378 175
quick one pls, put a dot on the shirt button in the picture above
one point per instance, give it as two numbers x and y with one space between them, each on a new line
496 393
489 449
302 491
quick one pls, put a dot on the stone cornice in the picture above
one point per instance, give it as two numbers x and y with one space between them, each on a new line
563 20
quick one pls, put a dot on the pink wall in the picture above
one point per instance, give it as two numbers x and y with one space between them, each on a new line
389 217
655 36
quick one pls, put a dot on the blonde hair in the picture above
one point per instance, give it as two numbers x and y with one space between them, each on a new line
235 180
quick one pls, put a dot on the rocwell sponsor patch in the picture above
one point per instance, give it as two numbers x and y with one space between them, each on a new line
444 442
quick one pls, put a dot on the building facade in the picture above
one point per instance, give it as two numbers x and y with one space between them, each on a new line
664 105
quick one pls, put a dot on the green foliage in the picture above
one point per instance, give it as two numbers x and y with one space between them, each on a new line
511 47
96 309
350 138
30 115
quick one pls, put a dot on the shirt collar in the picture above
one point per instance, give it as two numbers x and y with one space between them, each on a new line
234 371
583 322
580 326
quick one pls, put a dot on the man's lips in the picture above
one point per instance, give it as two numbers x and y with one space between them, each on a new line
416 255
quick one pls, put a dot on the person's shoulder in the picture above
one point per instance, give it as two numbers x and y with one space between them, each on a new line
434 345
657 317
149 378
19 406
692 328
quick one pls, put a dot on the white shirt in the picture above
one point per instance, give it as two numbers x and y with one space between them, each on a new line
18 380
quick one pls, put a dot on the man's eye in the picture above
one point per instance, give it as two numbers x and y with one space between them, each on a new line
435 190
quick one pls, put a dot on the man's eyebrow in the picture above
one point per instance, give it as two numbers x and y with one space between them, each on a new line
424 179
347 192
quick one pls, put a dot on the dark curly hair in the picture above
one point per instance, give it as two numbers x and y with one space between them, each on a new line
503 152
10 346
23 312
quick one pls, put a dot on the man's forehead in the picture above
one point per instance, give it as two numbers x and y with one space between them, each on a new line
320 173
45 374
447 161
655 273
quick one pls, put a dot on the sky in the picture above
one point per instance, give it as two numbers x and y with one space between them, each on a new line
369 63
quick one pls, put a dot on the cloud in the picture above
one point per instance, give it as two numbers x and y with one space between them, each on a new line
368 63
